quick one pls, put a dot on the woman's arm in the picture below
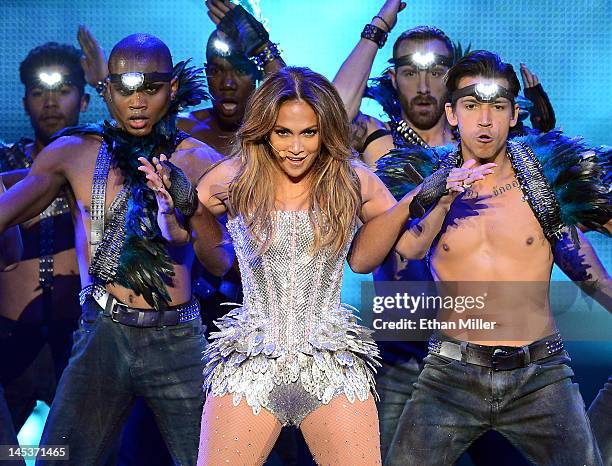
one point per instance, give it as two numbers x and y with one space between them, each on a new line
385 220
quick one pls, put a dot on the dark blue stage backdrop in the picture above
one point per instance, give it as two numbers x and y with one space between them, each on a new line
567 43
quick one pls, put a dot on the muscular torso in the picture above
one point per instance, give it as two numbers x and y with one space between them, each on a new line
202 125
20 288
22 295
492 243
79 175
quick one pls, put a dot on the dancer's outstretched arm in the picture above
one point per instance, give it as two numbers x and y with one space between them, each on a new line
385 220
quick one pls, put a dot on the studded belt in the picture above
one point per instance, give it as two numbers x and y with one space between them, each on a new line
499 358
135 317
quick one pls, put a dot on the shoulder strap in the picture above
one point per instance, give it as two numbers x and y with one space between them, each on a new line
536 189
98 196
379 133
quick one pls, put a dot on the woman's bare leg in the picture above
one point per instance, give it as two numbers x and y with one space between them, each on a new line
233 435
342 433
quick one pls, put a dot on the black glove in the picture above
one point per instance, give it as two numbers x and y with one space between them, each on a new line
432 189
543 115
244 29
183 193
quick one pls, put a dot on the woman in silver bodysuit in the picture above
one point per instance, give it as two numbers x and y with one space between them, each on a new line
292 353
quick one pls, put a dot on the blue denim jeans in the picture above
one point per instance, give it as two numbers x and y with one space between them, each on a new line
7 433
537 408
600 414
394 383
110 365
401 366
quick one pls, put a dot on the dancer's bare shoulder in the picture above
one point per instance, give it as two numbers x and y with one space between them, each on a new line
69 156
214 185
195 157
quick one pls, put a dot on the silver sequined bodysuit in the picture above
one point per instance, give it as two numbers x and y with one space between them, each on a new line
292 346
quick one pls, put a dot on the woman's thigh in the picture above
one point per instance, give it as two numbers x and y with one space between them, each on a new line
342 432
234 435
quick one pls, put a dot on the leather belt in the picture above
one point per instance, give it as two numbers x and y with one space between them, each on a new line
498 358
136 317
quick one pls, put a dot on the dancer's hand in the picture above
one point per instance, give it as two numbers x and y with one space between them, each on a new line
542 115
239 25
93 61
389 12
461 179
159 181
162 170
157 178
217 9
529 79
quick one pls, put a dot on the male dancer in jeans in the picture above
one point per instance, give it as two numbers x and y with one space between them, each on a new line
140 332
514 377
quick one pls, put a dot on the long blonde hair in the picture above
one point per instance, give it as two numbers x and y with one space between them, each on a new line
334 199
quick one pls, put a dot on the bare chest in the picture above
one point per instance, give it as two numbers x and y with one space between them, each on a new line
494 221
81 180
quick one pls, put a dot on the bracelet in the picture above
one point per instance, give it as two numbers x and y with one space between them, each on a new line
100 88
384 21
267 55
375 34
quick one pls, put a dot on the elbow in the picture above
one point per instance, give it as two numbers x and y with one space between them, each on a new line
221 270
360 266
420 254
412 253
217 269
10 258
11 248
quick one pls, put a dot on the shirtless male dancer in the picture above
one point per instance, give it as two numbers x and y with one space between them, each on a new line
140 332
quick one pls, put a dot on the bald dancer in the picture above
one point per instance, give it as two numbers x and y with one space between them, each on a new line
140 332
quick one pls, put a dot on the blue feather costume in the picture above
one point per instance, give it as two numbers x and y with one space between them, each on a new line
577 177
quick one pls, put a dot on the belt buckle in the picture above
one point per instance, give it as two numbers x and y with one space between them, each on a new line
114 313
497 358
502 360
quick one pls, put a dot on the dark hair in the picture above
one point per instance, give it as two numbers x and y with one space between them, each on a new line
425 33
482 63
50 54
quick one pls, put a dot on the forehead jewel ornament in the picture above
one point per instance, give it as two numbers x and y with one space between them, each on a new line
132 81
423 60
221 47
51 80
